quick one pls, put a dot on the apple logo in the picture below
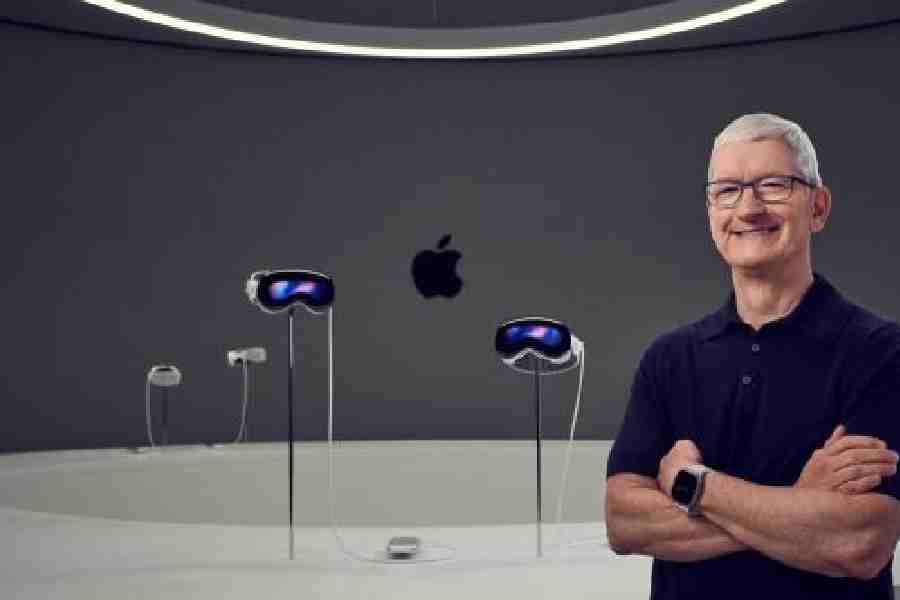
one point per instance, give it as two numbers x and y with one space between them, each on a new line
434 273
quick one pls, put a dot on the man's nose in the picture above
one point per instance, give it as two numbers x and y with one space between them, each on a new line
749 203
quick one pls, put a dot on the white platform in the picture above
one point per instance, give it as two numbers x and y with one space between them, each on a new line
199 522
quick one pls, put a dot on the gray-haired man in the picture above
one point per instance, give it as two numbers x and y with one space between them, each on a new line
756 451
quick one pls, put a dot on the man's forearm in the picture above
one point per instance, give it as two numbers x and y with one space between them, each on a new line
645 521
813 530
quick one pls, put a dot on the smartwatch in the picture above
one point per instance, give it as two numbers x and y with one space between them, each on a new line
688 488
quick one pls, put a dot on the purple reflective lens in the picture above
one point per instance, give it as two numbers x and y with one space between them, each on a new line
547 338
279 290
283 290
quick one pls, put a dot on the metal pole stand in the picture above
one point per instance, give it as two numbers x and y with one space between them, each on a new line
165 417
246 415
291 432
537 404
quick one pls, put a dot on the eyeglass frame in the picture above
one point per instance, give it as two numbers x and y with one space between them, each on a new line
752 184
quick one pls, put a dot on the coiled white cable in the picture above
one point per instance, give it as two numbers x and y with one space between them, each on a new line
332 500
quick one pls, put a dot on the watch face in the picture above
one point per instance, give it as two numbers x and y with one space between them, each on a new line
684 487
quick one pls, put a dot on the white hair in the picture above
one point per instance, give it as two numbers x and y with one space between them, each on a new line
762 126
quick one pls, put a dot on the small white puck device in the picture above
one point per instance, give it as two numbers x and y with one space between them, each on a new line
403 547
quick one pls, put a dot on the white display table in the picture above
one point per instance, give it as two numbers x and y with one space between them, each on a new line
203 522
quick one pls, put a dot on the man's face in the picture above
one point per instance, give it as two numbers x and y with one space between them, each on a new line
742 234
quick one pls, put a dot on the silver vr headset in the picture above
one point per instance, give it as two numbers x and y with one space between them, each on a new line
164 376
277 291
246 355
519 340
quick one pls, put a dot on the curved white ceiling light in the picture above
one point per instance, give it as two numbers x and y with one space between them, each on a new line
219 22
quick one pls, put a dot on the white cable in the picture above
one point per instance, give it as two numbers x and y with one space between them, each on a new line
563 546
332 501
331 492
246 396
565 473
147 413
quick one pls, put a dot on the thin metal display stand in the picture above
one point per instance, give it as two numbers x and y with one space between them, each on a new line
244 357
538 367
164 376
165 418
535 361
316 292
291 431
244 432
246 415
570 359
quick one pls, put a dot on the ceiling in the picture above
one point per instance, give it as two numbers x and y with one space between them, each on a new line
448 28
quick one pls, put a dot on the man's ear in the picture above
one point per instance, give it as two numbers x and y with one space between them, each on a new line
820 208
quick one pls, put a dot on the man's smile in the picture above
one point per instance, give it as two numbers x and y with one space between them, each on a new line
760 232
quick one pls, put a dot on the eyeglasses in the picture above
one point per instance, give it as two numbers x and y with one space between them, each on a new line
773 189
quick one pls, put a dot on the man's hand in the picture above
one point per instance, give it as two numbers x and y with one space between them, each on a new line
853 464
683 453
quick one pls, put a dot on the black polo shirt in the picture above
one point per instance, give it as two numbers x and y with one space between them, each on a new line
757 404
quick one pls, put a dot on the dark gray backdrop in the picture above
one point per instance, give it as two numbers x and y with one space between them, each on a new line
143 183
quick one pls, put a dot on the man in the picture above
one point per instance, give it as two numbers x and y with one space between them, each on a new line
756 451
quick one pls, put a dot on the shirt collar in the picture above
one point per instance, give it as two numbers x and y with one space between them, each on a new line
818 314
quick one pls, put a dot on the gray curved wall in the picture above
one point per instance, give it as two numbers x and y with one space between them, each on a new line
143 183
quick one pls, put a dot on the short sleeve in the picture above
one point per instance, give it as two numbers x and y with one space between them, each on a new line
645 435
875 410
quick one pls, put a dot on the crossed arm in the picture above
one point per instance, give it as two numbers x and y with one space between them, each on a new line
851 536
821 531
